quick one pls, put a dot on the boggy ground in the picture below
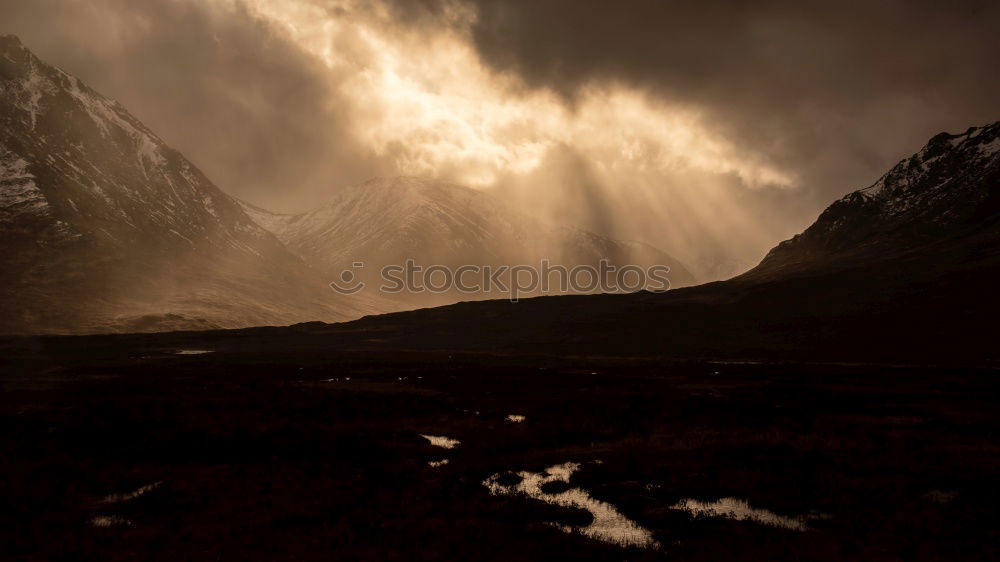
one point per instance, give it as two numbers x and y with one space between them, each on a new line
264 456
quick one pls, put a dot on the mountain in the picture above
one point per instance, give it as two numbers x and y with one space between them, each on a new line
902 272
105 227
942 191
387 221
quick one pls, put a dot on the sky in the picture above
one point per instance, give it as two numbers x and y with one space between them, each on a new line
712 130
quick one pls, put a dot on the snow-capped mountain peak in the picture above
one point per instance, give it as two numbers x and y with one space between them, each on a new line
387 221
97 211
912 179
937 193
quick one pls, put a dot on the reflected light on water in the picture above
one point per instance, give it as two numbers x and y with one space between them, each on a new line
608 524
104 521
116 498
739 510
441 441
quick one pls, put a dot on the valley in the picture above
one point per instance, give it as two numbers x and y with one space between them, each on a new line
258 455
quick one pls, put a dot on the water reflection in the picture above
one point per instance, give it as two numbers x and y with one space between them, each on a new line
941 496
104 521
435 464
739 510
608 524
441 441
193 351
116 498
515 418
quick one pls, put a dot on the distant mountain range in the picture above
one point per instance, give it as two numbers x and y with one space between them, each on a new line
106 228
388 221
904 271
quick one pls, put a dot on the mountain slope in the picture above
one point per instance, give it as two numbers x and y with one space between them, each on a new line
388 221
106 228
938 193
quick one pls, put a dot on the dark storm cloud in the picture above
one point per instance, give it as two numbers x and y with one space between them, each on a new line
257 114
834 90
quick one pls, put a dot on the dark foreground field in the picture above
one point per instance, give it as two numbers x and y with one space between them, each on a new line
281 457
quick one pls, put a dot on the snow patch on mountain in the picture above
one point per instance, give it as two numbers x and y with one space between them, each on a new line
108 115
388 221
18 192
913 180
110 229
27 94
936 193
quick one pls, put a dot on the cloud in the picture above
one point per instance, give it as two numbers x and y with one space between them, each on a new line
259 115
832 90
712 129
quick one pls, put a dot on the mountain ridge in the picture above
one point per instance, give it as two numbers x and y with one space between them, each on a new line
386 221
928 301
133 236
107 228
924 198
